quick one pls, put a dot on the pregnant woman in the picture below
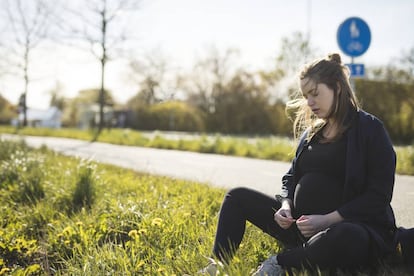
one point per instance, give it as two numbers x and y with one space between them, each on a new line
334 210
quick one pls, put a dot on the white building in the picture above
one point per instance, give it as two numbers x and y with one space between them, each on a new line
51 117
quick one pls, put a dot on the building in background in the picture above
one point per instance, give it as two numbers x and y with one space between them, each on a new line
50 118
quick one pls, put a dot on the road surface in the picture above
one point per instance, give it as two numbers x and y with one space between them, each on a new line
217 170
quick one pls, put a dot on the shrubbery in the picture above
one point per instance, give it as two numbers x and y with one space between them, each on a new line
172 115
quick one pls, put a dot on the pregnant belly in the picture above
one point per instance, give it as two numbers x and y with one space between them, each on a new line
316 193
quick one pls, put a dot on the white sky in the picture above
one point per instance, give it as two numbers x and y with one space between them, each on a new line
183 29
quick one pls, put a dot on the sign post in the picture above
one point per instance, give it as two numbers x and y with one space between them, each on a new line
354 38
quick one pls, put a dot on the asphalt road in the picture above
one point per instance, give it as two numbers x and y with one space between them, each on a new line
217 170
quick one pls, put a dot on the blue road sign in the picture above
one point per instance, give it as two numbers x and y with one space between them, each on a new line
357 70
353 36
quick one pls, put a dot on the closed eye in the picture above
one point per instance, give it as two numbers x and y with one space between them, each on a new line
313 93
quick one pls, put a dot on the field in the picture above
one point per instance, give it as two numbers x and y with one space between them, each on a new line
65 216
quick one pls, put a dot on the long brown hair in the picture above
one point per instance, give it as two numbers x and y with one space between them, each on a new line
331 72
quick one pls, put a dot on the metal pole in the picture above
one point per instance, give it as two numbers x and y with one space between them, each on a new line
351 79
309 14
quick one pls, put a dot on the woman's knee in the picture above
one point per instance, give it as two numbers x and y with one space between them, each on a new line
350 239
238 192
241 194
343 244
234 197
343 237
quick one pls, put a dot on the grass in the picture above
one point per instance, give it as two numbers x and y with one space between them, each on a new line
271 148
133 224
137 224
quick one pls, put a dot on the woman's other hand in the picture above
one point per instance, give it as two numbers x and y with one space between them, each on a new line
283 216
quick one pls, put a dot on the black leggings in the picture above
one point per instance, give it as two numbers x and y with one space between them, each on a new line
343 245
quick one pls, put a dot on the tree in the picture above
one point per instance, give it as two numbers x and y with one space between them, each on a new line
86 97
400 70
294 52
94 22
7 111
208 78
242 106
174 115
29 22
392 102
407 61
154 76
57 99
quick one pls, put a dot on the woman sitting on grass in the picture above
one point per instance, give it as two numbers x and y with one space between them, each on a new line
334 211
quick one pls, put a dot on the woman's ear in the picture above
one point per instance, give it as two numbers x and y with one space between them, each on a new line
338 87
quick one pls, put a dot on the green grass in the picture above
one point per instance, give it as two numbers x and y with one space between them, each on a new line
137 224
134 224
276 148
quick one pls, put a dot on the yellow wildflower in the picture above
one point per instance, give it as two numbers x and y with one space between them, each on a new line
142 231
156 222
133 234
4 270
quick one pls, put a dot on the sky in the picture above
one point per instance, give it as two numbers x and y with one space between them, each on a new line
183 29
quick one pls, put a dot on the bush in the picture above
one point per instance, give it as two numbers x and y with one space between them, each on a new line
173 115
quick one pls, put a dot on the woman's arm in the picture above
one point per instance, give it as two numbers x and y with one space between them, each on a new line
288 180
372 184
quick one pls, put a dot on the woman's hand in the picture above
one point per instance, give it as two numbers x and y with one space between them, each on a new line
283 216
309 225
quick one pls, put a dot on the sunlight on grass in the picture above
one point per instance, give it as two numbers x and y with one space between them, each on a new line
137 224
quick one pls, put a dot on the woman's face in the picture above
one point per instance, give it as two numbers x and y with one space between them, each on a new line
319 97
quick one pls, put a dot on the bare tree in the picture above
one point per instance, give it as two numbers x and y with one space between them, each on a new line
57 98
97 22
157 78
28 26
295 50
209 76
407 61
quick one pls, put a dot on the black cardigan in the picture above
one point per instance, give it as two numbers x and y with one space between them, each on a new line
369 178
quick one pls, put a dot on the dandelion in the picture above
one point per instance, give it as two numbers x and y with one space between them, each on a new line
4 270
142 231
68 230
79 223
133 234
140 264
156 222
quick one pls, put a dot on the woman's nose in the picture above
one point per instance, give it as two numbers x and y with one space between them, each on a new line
310 101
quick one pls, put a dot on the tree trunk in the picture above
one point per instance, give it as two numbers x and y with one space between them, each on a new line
26 81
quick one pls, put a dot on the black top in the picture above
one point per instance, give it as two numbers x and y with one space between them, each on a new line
321 174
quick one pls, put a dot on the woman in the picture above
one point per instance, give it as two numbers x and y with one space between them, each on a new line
334 211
